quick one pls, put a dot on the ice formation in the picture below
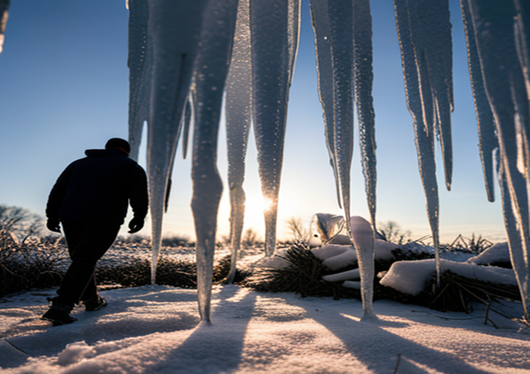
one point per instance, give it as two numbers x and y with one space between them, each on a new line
363 237
424 33
180 52
4 6
237 108
339 26
333 27
498 42
363 77
274 33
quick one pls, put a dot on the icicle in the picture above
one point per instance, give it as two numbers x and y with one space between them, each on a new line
439 52
486 126
210 74
341 39
522 38
429 31
273 28
174 29
4 6
186 124
424 140
505 87
363 239
363 77
237 102
319 16
522 271
139 70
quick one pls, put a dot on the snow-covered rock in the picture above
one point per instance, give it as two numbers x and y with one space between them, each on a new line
497 253
336 256
345 275
330 250
411 277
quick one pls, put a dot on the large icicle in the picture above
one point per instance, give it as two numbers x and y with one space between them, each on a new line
211 70
364 239
274 28
363 78
237 109
515 241
174 28
424 140
506 91
341 37
319 16
522 38
4 6
430 34
486 126
187 121
139 72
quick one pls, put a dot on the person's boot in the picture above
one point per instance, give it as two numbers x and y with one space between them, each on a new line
95 303
59 312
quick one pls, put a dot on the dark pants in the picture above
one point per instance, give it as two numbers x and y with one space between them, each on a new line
87 242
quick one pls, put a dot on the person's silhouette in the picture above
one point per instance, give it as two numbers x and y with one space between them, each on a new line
90 200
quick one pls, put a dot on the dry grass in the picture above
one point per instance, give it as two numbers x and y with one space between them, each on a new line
35 263
40 263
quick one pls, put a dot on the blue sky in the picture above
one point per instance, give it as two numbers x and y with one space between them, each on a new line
64 89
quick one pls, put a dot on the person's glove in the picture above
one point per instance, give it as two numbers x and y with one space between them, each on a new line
135 225
53 225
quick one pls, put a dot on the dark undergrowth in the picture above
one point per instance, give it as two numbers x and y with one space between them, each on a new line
40 263
305 271
34 263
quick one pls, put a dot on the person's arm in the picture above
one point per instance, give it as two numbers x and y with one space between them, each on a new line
139 199
55 199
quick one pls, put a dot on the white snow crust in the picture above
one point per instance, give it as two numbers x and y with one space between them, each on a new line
157 329
411 277
337 256
499 252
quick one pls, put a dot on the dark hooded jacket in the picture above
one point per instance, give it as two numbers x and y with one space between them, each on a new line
99 187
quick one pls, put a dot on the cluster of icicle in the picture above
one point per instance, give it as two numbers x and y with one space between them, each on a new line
4 6
498 37
185 55
498 40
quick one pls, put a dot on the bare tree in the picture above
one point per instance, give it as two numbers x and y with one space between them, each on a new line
250 238
391 232
19 222
298 232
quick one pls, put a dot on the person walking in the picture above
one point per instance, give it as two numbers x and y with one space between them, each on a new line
90 199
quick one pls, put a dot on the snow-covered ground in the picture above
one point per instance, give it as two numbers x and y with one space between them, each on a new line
157 329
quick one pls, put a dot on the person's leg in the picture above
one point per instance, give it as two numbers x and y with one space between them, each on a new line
91 240
87 243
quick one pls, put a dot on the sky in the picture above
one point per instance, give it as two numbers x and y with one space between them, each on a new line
64 89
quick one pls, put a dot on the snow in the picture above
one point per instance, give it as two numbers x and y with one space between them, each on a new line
499 252
157 329
411 277
336 256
